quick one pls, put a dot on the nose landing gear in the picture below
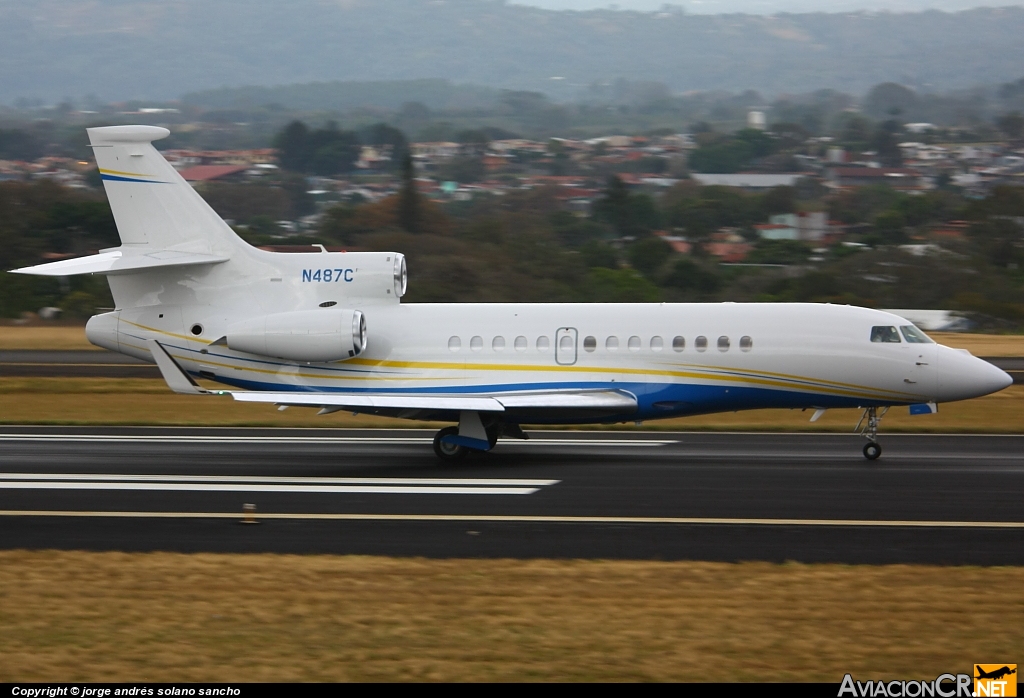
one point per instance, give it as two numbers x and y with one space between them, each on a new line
869 421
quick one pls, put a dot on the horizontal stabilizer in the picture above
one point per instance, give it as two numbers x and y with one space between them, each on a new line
118 262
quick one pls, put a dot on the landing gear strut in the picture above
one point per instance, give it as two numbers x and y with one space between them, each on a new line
472 434
870 420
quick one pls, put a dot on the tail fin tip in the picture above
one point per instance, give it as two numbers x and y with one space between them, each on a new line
109 135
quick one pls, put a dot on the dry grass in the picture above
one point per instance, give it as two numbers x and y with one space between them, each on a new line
76 616
52 337
73 337
148 402
982 344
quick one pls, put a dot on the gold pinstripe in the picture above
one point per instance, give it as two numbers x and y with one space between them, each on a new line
124 174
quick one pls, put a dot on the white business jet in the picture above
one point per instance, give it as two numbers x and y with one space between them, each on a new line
327 330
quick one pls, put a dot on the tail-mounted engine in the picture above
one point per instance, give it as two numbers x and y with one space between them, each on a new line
312 336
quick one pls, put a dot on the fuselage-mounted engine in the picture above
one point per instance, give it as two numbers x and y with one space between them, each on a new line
310 336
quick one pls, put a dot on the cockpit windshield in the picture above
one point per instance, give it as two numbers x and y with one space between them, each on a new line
914 335
885 333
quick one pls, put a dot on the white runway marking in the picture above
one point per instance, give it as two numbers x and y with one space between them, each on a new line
295 485
102 438
690 521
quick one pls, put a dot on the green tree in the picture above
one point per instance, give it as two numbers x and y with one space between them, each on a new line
649 255
619 286
292 146
599 254
779 252
690 275
779 200
408 198
885 143
631 215
891 227
326 151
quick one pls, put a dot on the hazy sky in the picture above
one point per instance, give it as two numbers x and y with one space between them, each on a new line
769 6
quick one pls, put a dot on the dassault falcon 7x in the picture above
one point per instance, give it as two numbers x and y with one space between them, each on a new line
328 330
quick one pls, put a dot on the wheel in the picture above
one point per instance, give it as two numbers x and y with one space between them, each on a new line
872 450
448 452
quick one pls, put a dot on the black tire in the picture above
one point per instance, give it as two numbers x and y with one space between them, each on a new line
872 450
448 452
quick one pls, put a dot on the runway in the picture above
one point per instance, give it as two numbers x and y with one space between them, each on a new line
598 494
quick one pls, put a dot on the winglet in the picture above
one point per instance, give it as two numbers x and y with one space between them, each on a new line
177 379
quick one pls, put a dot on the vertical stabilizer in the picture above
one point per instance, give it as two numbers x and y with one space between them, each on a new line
152 205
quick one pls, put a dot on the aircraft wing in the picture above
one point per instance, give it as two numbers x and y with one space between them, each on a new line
599 400
533 402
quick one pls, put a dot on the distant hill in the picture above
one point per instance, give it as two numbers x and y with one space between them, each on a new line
341 95
161 49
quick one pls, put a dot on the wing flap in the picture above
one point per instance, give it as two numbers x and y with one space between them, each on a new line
370 401
599 400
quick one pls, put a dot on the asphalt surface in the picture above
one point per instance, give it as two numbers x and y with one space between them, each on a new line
635 495
74 364
107 364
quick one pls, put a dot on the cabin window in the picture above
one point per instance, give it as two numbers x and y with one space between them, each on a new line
498 344
589 343
197 329
521 343
454 344
566 342
885 333
543 343
678 343
746 343
914 335
657 344
724 343
477 343
634 343
612 343
701 343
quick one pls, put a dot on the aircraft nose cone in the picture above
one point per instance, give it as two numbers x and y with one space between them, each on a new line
1003 380
963 376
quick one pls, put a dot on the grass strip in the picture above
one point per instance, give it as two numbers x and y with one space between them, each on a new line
143 401
79 616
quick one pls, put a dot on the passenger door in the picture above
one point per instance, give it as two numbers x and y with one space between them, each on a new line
565 346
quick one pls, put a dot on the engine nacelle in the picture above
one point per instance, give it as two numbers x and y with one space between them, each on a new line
326 334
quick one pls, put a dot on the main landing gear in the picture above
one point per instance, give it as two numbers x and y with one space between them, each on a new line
473 434
448 450
870 420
